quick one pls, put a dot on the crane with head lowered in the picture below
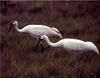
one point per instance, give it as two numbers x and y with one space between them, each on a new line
74 45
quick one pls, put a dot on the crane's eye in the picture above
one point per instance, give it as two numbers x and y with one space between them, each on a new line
11 23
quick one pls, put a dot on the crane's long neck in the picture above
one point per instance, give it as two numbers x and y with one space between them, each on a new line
19 30
57 44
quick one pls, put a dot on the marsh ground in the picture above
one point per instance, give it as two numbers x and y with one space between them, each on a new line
73 19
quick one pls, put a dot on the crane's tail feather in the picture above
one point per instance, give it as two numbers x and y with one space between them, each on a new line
93 47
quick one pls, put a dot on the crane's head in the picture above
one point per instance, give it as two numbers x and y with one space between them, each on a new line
43 37
57 31
12 24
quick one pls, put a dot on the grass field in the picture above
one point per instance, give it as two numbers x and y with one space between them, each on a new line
73 19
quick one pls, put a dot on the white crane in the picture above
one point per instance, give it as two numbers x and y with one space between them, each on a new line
36 31
72 45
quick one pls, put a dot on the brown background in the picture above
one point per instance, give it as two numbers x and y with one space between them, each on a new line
73 19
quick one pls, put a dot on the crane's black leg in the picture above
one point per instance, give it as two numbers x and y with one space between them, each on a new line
42 48
37 44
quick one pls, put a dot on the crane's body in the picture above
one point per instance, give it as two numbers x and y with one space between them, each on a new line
36 31
72 45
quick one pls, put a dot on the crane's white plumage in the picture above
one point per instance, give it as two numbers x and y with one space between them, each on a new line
37 31
72 44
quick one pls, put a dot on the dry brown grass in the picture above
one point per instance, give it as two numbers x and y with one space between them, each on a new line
73 19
